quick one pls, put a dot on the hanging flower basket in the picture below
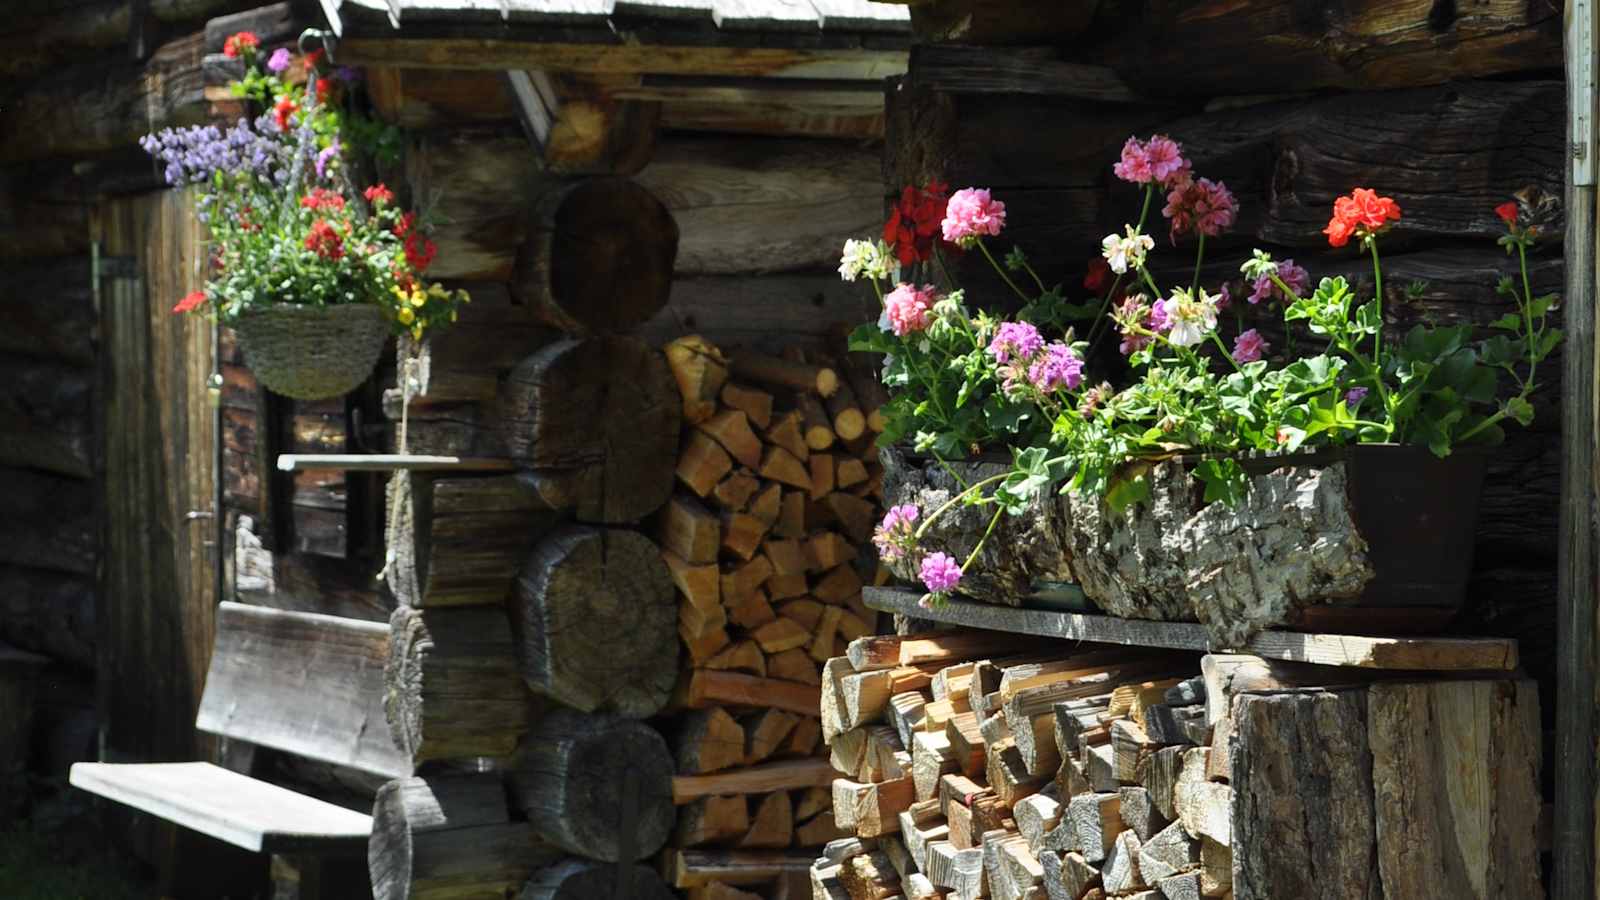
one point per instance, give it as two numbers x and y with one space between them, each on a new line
312 352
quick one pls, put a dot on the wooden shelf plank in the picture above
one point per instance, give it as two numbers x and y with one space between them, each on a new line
390 462
1415 653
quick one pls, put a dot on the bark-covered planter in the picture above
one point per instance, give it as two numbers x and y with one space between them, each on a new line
1359 539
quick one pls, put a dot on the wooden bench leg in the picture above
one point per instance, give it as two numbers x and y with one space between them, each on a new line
296 877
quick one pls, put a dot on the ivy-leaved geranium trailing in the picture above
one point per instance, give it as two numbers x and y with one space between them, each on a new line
286 223
964 381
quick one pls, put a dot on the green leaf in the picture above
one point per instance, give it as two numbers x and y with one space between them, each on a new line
1224 479
1128 488
1368 319
1508 322
1500 350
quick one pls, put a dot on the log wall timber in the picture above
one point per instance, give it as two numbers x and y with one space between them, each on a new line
597 786
449 836
452 686
595 422
579 880
753 205
41 32
482 181
595 613
599 256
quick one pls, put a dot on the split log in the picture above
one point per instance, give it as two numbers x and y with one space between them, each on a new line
709 740
581 880
598 257
444 837
596 421
700 370
691 868
690 530
1303 823
452 684
1455 768
596 786
595 614
786 775
755 404
711 820
460 541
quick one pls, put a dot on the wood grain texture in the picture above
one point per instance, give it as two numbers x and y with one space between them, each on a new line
596 617
1455 771
1443 654
596 786
595 423
1303 823
228 806
452 684
449 837
575 879
328 706
764 205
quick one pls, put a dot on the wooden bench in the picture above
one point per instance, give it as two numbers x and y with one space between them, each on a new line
301 683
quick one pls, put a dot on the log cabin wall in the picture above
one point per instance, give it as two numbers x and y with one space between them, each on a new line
1448 108
79 84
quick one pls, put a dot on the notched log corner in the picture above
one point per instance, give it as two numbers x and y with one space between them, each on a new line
1291 543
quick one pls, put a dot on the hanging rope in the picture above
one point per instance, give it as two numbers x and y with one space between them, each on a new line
408 387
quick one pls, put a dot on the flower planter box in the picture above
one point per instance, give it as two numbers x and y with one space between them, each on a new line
1360 539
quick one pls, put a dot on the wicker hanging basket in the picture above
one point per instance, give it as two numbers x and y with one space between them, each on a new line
312 352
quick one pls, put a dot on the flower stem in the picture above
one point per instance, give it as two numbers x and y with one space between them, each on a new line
957 499
1377 290
993 521
1225 354
1105 304
1001 269
1527 311
1199 255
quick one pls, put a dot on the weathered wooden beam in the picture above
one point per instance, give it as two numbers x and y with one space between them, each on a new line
962 69
609 58
1441 654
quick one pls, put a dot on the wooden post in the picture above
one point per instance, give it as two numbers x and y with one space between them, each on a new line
1576 687
452 684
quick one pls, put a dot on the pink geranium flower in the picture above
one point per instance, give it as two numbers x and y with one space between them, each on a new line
972 214
1201 206
1249 346
940 573
1058 367
1015 341
896 534
909 309
1296 277
1156 161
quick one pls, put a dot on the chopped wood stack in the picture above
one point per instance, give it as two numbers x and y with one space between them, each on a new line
980 764
767 539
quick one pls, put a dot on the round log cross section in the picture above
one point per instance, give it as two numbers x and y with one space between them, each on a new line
598 621
598 257
596 786
577 880
596 423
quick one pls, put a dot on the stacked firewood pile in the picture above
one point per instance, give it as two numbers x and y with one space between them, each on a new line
978 764
767 539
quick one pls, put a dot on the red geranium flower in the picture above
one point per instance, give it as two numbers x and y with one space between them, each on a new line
420 251
1507 212
322 198
311 60
283 109
325 241
239 44
1361 214
324 85
914 221
379 195
190 302
403 227
1098 277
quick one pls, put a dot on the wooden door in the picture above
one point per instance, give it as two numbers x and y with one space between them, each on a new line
158 584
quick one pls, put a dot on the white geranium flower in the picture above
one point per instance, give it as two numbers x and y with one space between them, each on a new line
1126 252
1191 318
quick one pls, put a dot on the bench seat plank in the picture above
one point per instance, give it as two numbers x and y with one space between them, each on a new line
228 806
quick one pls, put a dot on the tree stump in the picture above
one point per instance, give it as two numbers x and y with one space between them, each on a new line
598 257
452 683
460 541
597 621
596 423
446 838
596 786
574 879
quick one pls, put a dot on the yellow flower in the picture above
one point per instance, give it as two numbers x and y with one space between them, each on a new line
452 315
406 316
418 297
438 291
416 332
